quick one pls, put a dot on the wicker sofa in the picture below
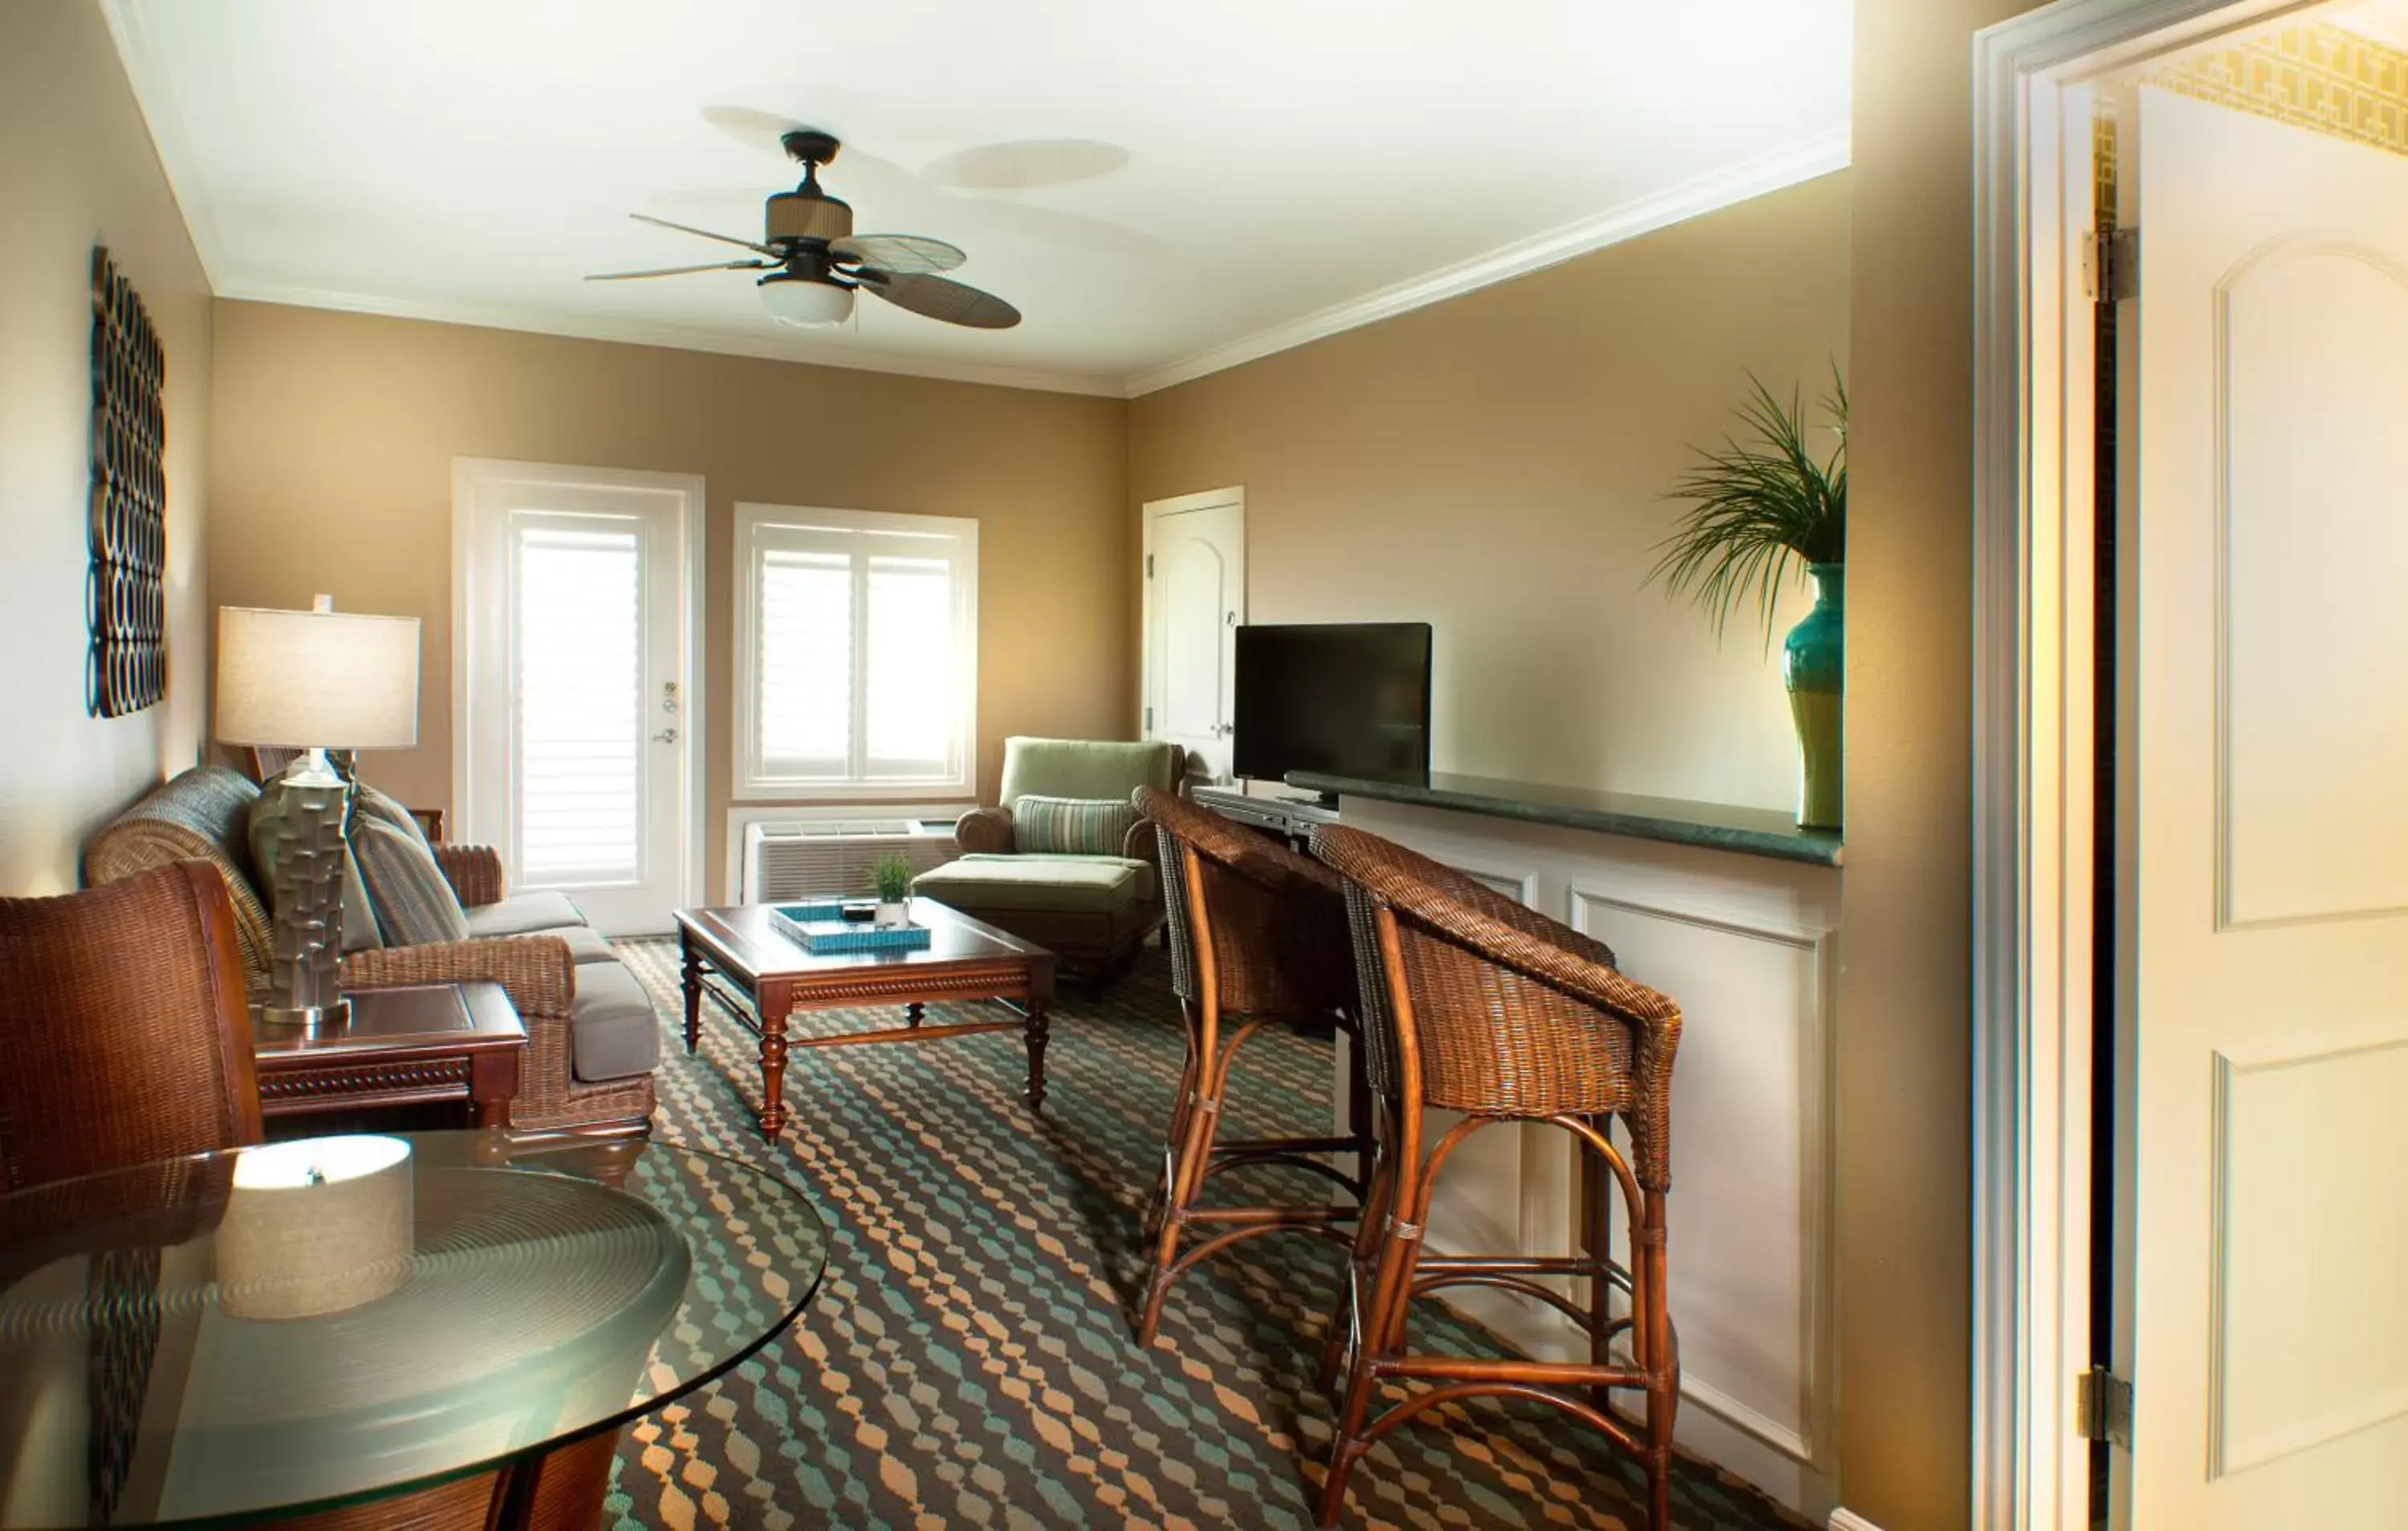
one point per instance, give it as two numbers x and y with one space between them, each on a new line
593 1038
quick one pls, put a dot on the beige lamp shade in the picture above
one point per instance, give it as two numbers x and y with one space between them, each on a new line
317 680
315 1226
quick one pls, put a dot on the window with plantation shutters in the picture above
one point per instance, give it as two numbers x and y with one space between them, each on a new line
856 653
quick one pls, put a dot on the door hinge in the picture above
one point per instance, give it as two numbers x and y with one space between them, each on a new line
2103 1408
2110 265
1149 720
1149 566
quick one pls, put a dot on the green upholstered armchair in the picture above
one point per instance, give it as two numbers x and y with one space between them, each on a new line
1091 911
1034 767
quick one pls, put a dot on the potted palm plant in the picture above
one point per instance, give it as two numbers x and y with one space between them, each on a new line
1761 509
893 875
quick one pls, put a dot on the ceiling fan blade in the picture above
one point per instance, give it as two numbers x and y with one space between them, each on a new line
941 298
901 253
681 270
687 228
1025 165
963 183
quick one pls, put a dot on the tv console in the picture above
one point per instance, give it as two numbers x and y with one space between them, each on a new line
1289 819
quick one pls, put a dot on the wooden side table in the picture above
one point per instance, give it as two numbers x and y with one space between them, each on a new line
402 1047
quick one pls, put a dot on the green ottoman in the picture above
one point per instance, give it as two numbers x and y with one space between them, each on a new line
1091 911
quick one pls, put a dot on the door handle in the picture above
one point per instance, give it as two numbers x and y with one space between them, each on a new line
666 736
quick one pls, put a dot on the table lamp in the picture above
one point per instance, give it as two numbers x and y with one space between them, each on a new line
314 680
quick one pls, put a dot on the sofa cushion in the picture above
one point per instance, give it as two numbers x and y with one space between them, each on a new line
360 933
414 902
200 815
1070 826
1074 884
387 809
585 943
614 1033
524 914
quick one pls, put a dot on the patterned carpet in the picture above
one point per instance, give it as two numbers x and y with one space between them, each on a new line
969 1361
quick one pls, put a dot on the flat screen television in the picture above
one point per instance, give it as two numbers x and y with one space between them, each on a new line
1348 698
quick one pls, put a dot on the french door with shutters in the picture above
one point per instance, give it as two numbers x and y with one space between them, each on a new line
2263 930
577 743
1194 576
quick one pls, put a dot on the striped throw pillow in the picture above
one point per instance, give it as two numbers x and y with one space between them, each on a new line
413 900
1070 826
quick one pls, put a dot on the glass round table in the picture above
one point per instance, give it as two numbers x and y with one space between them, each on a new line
311 1325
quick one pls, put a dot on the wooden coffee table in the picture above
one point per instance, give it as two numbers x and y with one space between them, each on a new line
401 1047
965 960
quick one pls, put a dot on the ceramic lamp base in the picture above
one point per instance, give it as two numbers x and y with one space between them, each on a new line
312 1019
296 840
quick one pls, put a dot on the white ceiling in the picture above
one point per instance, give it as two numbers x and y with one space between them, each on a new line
1285 168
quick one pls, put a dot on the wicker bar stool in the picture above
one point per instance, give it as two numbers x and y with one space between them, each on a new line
1475 1004
1257 937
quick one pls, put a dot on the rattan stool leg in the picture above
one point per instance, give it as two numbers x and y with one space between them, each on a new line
1182 1109
1346 1324
1194 1151
1596 1233
1380 1327
1660 1354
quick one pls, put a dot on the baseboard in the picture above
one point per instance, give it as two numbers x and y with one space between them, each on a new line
1848 1520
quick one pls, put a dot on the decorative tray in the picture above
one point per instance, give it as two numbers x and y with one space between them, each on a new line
819 927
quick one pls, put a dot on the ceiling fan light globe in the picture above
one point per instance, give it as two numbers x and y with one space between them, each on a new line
805 304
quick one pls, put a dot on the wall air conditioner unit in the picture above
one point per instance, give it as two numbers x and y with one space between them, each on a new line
798 858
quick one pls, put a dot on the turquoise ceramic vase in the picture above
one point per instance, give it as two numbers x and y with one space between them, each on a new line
1812 664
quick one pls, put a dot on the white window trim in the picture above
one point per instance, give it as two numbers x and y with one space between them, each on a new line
751 785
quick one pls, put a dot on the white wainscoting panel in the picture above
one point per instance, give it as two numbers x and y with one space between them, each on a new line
1745 1303
1749 948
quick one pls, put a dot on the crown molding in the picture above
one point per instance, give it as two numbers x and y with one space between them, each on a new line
765 347
155 97
1817 156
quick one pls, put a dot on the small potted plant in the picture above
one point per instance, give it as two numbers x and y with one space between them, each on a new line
1759 510
893 875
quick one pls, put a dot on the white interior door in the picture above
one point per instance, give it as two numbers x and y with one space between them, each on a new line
1195 602
579 751
2265 926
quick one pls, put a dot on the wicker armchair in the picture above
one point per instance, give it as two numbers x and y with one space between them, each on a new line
198 817
1480 1005
125 1044
124 1037
1258 936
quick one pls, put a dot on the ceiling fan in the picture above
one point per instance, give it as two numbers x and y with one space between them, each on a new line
814 263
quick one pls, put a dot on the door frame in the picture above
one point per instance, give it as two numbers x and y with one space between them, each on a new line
2033 429
468 473
1151 512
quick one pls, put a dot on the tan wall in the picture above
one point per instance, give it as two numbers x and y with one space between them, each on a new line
334 436
1905 1017
78 169
1494 465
